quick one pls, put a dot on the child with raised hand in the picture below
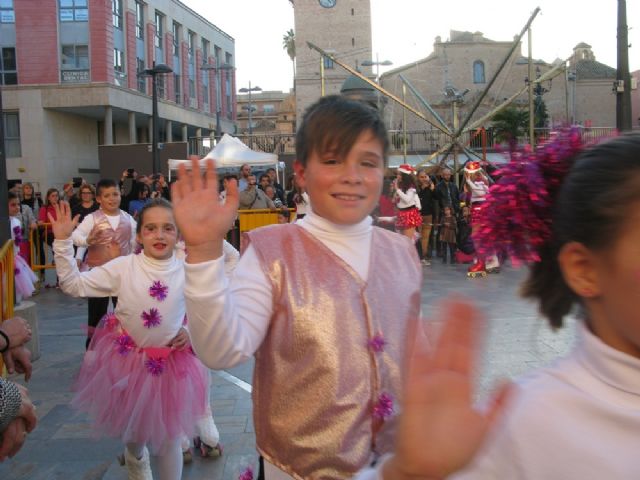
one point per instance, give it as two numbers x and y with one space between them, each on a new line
324 304
580 417
139 380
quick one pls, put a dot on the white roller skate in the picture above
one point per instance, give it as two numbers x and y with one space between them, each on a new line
493 264
187 456
208 440
137 469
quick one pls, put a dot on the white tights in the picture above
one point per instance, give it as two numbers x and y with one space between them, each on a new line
168 460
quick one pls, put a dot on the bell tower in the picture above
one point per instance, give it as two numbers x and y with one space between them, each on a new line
340 27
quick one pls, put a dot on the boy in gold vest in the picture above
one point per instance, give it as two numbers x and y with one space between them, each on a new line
324 304
107 233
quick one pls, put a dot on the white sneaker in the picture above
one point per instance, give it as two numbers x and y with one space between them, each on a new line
425 261
138 469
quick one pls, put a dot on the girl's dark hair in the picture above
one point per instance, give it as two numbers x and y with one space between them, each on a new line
155 202
406 181
590 208
334 123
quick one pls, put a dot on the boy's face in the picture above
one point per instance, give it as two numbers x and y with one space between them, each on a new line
14 207
109 199
344 190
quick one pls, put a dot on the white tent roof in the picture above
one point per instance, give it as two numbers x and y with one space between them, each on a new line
231 152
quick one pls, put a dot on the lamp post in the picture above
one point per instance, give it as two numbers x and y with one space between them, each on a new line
377 63
158 69
218 71
250 106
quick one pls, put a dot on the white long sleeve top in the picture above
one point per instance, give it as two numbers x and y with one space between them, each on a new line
478 189
129 278
228 321
577 419
82 231
408 199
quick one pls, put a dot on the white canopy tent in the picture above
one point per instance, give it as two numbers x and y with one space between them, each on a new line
231 152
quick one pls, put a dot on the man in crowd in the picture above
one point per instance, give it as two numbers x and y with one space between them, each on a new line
254 198
245 171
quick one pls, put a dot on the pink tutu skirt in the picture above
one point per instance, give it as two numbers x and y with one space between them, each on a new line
410 218
145 396
24 279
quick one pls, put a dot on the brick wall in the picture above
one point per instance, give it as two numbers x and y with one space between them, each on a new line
101 41
132 79
198 79
185 72
37 42
169 80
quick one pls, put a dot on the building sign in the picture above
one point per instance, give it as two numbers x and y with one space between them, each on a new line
75 76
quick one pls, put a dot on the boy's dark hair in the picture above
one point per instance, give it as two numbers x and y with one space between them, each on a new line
13 196
105 183
591 208
333 124
154 202
406 182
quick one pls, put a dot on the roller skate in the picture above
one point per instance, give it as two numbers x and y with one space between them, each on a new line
208 440
137 469
477 270
493 265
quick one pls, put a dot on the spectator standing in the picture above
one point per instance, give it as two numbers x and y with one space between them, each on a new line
30 198
143 198
243 182
87 203
51 200
426 192
69 195
252 198
274 181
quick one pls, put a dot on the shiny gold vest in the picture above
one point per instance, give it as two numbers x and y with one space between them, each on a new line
100 252
318 379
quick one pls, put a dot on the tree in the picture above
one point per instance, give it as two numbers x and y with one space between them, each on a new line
289 45
510 124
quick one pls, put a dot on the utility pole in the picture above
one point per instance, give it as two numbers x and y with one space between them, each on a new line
623 78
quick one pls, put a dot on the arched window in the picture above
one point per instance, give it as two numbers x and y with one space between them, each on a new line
478 72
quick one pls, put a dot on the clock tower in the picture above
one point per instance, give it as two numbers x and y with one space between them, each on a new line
339 27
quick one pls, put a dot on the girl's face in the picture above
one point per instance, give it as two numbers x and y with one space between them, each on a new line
612 294
14 207
53 197
447 212
27 190
158 233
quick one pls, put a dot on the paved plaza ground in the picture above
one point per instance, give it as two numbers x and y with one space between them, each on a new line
62 447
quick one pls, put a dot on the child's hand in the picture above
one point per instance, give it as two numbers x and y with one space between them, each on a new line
62 225
181 340
438 410
202 220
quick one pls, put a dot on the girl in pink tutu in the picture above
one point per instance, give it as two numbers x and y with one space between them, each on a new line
408 202
25 278
139 379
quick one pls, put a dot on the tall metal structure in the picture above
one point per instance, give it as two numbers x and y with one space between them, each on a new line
623 78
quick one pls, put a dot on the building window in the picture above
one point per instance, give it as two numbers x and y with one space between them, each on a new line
159 30
205 94
161 85
142 81
205 51
176 88
11 123
118 61
192 42
7 14
74 11
478 72
75 57
268 108
176 39
328 62
116 10
192 88
139 20
8 68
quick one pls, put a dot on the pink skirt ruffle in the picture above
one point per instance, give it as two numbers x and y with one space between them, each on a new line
24 279
408 219
146 396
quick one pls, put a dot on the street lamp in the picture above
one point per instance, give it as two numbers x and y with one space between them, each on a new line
377 63
250 106
159 69
217 69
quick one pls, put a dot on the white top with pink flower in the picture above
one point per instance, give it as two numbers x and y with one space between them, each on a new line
150 292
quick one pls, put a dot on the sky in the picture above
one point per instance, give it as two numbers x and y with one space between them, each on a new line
404 30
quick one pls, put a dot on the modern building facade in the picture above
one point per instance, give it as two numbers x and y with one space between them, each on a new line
271 112
70 76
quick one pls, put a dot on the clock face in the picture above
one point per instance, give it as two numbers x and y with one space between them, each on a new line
327 3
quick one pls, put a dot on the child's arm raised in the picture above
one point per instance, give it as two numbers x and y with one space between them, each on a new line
202 220
98 282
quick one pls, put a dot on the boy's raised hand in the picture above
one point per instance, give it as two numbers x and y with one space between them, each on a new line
202 220
63 225
440 431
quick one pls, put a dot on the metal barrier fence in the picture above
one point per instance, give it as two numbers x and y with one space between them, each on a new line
41 257
7 276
